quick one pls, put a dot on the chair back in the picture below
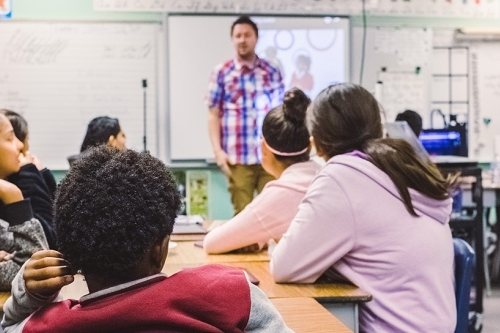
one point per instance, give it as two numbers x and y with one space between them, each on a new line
465 261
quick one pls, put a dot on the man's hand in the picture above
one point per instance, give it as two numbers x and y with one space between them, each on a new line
223 162
9 193
46 273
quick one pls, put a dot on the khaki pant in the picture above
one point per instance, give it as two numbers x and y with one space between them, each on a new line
243 182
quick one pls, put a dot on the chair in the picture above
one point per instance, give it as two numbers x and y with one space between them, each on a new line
465 260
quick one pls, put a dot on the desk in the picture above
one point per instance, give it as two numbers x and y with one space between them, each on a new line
306 315
187 253
3 298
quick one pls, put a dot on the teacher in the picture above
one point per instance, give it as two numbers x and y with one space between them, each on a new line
240 93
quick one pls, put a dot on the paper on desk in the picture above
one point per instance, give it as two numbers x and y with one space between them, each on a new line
189 219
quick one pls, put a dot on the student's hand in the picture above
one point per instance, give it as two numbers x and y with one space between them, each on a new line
9 193
5 256
27 158
248 249
223 162
46 273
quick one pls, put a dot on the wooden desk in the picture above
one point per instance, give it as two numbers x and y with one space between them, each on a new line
187 253
306 315
334 292
3 299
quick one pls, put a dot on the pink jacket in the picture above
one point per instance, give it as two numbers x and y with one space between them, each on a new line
268 215
353 221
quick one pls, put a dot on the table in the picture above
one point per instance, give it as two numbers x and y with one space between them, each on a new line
306 315
186 253
3 299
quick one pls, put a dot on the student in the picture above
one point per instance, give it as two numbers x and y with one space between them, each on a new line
413 119
101 131
285 155
35 182
375 214
114 214
20 233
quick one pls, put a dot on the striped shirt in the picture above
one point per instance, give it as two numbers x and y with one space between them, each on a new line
244 96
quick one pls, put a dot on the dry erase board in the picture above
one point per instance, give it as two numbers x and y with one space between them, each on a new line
196 44
61 75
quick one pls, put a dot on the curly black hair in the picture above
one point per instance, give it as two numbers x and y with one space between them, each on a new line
111 208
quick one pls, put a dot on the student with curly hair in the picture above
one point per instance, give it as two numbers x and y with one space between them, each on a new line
377 215
35 182
20 233
114 213
285 155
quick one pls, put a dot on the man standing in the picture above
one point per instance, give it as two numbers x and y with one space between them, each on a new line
241 92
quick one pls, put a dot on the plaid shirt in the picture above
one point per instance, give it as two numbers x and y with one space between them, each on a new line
244 96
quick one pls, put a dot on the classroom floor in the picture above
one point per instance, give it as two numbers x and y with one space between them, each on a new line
491 322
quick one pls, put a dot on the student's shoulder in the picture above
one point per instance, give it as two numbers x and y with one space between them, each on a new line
212 273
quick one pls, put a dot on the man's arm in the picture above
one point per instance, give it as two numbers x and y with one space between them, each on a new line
214 124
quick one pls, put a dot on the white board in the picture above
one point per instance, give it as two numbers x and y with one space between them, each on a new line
61 75
196 44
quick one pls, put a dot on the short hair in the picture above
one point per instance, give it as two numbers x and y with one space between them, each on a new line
99 130
284 127
413 119
18 123
111 208
245 19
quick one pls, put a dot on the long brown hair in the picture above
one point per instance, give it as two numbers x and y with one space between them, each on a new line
346 117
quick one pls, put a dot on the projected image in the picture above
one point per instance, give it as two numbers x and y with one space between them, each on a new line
309 59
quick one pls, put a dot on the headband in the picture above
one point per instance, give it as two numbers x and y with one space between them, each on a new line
279 153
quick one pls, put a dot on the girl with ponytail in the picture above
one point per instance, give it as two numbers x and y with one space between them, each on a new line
377 215
285 155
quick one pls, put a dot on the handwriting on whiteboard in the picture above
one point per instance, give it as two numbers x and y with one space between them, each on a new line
432 8
402 91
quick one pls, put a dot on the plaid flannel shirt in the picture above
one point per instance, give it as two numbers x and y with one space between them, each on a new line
244 96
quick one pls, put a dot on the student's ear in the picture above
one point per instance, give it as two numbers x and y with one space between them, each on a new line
111 140
313 144
158 254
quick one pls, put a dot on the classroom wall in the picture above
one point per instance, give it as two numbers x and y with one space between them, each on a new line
82 10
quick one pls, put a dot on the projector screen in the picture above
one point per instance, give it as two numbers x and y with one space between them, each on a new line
311 52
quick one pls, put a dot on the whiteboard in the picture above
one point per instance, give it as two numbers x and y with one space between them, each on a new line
61 75
196 44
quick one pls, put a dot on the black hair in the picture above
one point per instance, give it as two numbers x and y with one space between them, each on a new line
99 130
413 119
245 19
18 123
112 208
284 127
346 117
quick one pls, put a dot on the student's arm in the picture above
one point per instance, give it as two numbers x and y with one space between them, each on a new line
37 283
321 233
27 237
255 224
264 317
33 186
214 128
